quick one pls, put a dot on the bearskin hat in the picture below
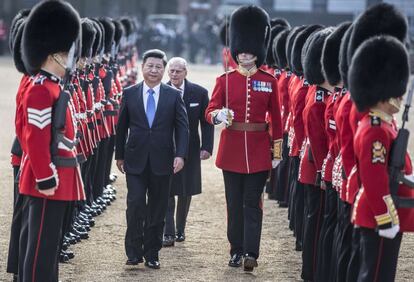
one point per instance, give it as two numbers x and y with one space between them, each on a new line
330 54
22 14
88 37
300 39
97 42
109 29
249 32
312 68
279 21
369 73
289 43
381 19
100 29
270 59
343 55
16 51
51 27
279 49
222 33
119 31
128 25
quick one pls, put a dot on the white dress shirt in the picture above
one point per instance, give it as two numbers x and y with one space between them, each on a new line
145 94
181 88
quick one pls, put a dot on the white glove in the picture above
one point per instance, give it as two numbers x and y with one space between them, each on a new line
389 233
223 114
275 163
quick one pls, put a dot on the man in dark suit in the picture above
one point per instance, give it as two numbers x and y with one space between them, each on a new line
151 145
187 182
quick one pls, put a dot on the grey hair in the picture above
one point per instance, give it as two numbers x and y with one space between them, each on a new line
179 60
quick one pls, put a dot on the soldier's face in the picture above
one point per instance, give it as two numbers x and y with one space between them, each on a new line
153 70
243 57
177 73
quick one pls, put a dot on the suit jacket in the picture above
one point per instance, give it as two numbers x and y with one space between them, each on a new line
188 181
137 143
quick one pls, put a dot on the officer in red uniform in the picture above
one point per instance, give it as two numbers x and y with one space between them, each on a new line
244 152
50 179
315 150
381 223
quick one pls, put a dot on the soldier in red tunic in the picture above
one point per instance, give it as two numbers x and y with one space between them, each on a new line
241 99
372 88
50 178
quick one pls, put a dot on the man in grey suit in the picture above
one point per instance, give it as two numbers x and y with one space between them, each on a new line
187 182
151 145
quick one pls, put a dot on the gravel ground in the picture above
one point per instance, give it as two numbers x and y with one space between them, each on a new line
202 257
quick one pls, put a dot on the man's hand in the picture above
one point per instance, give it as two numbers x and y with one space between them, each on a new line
389 233
275 163
48 192
178 164
120 165
204 155
225 115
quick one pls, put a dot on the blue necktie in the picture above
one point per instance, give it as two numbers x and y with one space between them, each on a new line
150 107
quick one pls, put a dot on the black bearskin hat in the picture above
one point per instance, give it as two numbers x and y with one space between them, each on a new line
279 49
379 70
312 68
22 14
380 19
289 43
109 29
222 33
249 32
88 37
270 59
343 55
330 54
128 25
98 42
279 21
119 31
300 39
51 27
17 51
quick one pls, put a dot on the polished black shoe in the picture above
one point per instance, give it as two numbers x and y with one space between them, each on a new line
236 260
70 238
69 253
180 237
65 245
15 277
63 258
134 261
249 263
154 264
168 241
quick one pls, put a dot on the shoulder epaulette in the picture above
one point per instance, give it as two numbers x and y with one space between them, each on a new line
228 72
265 72
319 96
39 80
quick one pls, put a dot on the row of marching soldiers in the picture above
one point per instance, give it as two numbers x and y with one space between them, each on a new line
67 106
339 88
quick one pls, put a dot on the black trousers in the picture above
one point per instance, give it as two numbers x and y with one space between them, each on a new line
293 178
345 243
40 240
299 206
178 225
16 224
244 211
109 158
326 236
282 186
378 256
145 218
353 265
99 179
314 197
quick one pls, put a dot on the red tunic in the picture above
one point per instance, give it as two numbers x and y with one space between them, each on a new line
372 143
37 169
316 146
251 97
283 90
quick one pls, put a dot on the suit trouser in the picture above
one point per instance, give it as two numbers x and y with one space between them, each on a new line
16 224
244 211
183 206
314 197
145 219
38 259
326 235
378 256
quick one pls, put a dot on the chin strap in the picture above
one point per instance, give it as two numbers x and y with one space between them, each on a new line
59 60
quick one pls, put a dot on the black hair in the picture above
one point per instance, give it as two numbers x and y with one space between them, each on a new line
154 53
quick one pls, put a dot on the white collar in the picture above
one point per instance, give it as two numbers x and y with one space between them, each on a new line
155 88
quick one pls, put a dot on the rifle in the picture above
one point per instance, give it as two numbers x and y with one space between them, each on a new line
397 158
59 115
